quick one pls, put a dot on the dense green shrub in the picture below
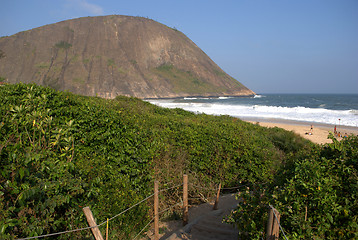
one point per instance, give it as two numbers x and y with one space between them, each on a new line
316 195
60 152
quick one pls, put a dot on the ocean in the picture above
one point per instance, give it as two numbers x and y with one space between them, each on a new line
333 109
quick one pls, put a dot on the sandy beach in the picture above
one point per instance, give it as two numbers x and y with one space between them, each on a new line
318 134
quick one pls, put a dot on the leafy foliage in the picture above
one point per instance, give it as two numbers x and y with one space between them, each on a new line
60 152
316 195
52 165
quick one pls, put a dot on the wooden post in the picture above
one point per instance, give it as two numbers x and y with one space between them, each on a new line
306 213
156 214
273 225
107 230
217 198
276 225
185 199
269 224
91 222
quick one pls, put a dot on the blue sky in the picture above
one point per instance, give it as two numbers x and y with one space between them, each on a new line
277 46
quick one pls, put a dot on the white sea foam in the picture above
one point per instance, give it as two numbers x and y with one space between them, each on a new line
319 115
195 98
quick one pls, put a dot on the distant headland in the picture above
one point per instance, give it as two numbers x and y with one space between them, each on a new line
114 55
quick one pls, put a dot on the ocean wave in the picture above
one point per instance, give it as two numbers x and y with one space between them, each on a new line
319 115
354 112
259 96
196 98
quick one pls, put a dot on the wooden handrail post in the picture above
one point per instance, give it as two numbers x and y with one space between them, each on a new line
156 212
306 213
107 230
91 222
217 198
273 225
185 199
269 224
276 225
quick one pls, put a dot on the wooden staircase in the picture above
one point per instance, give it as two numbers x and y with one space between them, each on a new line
210 226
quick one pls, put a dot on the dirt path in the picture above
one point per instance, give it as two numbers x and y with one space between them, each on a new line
204 222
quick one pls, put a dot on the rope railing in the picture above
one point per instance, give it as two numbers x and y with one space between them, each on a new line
218 189
86 228
172 206
144 228
128 209
231 188
164 190
201 187
227 188
98 225
58 233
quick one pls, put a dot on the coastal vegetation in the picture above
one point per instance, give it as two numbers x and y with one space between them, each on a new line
61 152
315 193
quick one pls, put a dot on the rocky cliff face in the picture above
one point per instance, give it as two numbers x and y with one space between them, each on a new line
114 55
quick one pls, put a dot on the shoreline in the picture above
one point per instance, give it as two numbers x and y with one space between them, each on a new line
199 96
318 135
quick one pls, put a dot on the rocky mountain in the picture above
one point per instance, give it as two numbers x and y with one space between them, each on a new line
114 55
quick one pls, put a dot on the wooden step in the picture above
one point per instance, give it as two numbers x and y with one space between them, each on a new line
214 229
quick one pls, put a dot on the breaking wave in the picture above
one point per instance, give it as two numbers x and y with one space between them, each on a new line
306 114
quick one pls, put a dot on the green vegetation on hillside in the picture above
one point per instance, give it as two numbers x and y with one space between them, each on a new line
2 54
184 81
63 45
60 152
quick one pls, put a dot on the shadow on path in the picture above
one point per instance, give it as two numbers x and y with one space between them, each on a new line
206 223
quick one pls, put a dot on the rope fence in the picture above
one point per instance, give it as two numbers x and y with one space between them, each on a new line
145 199
144 228
227 188
58 233
164 190
271 227
172 206
104 222
231 188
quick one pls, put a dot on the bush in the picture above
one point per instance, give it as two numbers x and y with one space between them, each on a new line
52 163
316 195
